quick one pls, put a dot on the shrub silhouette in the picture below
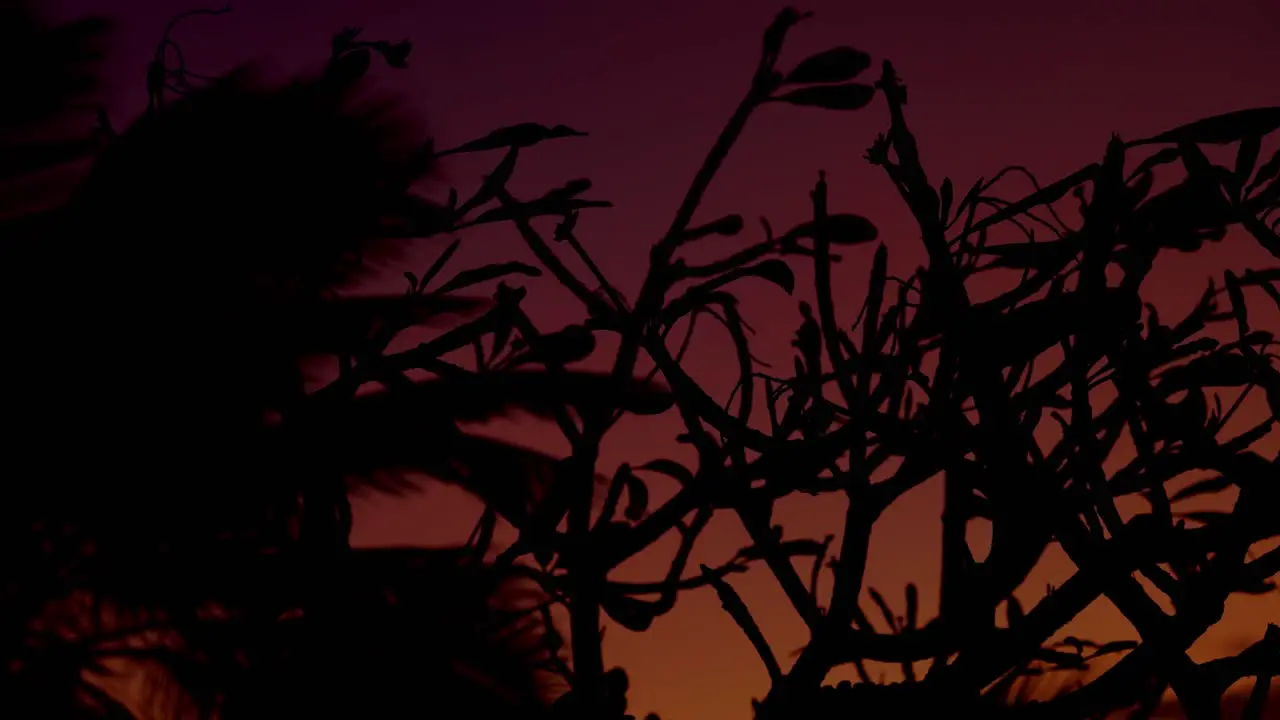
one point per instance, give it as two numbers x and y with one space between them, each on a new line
176 498
938 383
925 381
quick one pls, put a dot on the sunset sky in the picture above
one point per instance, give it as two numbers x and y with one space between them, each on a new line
992 82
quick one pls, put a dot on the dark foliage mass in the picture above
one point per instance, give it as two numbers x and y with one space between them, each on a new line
193 387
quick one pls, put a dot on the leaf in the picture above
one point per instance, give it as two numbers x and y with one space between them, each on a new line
555 349
1269 171
485 273
1046 256
776 33
1207 486
631 613
493 183
1219 369
775 271
396 54
790 548
637 497
971 197
569 190
1271 388
343 324
875 297
564 228
1013 612
1138 191
1221 129
1111 648
344 40
1266 237
1238 307
728 226
520 135
649 403
1208 517
1260 277
841 229
388 434
1255 586
1164 156
852 96
535 208
1046 195
1196 319
36 156
480 396
1255 707
349 67
614 493
1247 158
890 619
1076 644
671 469
836 65
1059 659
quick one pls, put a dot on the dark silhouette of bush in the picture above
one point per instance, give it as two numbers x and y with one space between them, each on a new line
177 499
940 383
927 381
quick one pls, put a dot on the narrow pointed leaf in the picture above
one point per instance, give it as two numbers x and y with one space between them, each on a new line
777 272
1221 129
1247 158
637 498
1208 486
852 96
475 276
841 229
671 469
836 65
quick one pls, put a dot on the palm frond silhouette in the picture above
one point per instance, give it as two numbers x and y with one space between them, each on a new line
47 124
405 631
176 492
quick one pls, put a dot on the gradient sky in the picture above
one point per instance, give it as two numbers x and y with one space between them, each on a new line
992 82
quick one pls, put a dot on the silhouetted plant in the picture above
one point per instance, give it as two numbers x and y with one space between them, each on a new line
177 496
927 381
942 384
